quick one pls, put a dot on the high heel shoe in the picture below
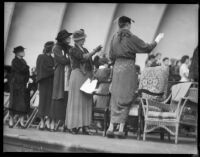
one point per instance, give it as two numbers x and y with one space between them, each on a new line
10 125
121 135
74 130
110 134
22 126
46 127
85 132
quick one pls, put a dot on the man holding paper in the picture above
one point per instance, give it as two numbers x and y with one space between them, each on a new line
123 49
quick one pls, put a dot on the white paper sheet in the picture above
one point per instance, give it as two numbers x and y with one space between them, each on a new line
89 86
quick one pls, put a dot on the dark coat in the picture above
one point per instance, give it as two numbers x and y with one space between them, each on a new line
78 61
19 79
194 68
45 72
60 51
44 67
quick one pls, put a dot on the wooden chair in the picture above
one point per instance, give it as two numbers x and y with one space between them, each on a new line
164 115
103 112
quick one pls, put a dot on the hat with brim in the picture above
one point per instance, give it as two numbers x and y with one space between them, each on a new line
49 44
78 35
63 34
125 19
18 49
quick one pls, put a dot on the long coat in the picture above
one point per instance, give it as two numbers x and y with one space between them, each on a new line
45 72
61 61
19 79
123 49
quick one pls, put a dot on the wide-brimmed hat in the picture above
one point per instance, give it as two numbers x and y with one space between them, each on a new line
63 34
18 49
78 35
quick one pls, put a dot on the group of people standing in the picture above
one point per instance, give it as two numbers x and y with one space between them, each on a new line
60 77
60 95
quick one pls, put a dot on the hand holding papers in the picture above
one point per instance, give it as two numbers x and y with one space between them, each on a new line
159 37
89 86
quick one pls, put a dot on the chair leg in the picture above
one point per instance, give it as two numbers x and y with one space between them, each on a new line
144 133
17 122
126 129
176 134
57 126
169 138
161 134
105 124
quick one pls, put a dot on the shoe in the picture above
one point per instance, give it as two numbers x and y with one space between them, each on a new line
41 128
46 127
121 135
52 130
74 130
110 134
10 126
22 126
85 131
65 129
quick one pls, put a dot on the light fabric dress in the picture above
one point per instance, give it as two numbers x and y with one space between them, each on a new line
79 107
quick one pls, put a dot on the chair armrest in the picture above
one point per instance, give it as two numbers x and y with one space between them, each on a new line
140 91
101 94
168 99
107 81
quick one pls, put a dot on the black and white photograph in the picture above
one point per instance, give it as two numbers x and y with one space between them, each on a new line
101 77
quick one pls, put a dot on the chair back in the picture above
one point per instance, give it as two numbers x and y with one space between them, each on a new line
104 80
154 79
182 90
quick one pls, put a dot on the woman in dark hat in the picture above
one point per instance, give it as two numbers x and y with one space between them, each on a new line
19 78
62 65
79 107
123 49
44 78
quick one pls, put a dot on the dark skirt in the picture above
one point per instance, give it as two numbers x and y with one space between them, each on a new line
45 94
124 84
19 99
58 108
79 107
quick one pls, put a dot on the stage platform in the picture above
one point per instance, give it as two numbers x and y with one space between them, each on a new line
33 140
